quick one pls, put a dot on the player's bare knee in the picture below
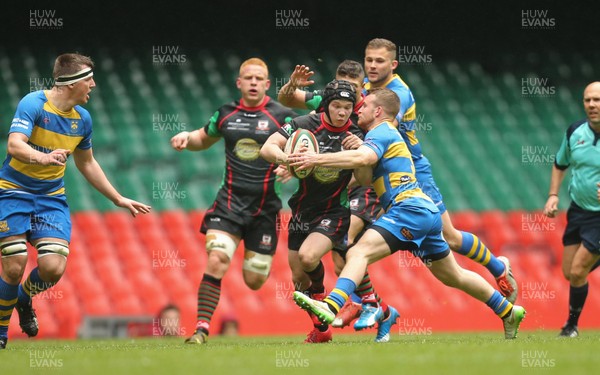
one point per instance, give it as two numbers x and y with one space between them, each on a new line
14 260
454 239
52 259
308 260
253 280
578 276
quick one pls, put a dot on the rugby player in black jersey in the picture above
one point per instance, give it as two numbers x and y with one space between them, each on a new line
320 211
247 205
364 204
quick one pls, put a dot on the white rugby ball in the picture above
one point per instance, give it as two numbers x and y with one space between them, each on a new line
299 139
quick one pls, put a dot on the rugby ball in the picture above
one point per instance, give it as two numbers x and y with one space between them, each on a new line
299 139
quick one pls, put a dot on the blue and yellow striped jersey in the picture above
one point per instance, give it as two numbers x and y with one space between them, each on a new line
394 174
47 128
407 116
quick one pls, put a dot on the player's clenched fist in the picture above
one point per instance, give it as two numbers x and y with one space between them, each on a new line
179 141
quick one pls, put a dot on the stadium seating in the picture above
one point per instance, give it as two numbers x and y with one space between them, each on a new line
121 266
475 126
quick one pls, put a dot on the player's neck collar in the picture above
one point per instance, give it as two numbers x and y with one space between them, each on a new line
258 107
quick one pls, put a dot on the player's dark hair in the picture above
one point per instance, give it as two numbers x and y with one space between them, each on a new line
70 63
350 69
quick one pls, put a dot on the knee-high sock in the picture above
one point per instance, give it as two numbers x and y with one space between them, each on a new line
317 276
31 286
577 297
338 296
473 248
368 294
208 299
8 300
499 304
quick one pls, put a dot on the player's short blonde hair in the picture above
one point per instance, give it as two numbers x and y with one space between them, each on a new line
254 61
70 63
383 43
387 99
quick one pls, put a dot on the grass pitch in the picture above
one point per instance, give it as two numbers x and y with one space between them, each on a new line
453 353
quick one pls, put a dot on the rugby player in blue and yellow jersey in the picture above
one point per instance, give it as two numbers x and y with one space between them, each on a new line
48 127
380 62
411 219
580 150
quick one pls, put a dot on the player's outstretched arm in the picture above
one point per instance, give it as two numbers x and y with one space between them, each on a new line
91 170
290 95
194 141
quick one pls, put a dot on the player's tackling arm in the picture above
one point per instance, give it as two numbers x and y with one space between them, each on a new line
348 159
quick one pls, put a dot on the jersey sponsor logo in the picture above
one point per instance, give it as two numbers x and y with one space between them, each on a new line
247 149
407 234
17 120
215 219
326 175
237 125
251 115
4 226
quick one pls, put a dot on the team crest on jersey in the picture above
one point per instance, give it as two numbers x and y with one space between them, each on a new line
74 126
247 149
46 120
407 234
326 175
263 125
266 240
354 203
4 226
325 223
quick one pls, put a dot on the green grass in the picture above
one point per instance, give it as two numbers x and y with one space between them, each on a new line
464 353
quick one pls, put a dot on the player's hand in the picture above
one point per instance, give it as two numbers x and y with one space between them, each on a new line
179 141
303 159
351 141
283 174
134 207
56 157
301 76
551 207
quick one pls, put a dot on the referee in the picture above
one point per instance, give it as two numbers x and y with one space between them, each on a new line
581 151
